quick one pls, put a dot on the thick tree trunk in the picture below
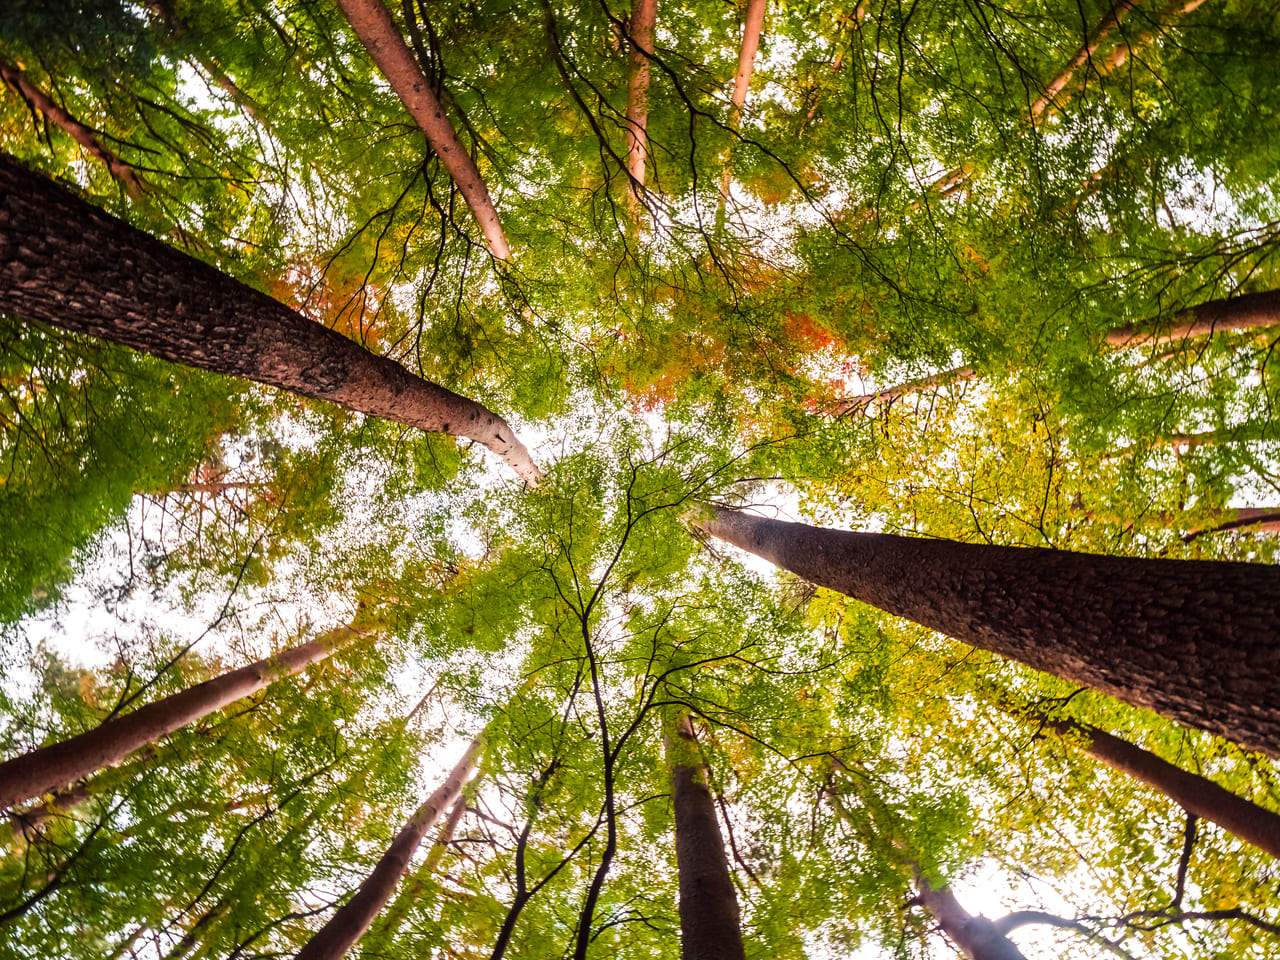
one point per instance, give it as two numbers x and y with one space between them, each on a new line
1195 640
66 263
752 27
1194 793
55 766
640 30
1238 314
710 924
81 134
976 937
345 927
372 23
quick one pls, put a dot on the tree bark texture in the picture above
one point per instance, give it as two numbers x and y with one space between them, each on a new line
752 27
976 937
1237 314
37 99
710 923
66 263
1194 793
353 918
58 764
640 30
373 24
1196 640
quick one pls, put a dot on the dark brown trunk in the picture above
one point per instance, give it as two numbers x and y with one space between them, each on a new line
710 925
1194 793
1254 519
55 766
975 937
372 23
66 263
1195 640
79 132
640 29
1238 314
353 918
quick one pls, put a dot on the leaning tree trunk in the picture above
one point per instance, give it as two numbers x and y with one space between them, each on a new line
1194 793
1237 314
640 30
710 925
55 766
66 263
345 927
1195 640
752 27
976 937
372 23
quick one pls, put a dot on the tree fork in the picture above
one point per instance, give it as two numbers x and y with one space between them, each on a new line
66 263
1195 640
373 24
353 918
58 764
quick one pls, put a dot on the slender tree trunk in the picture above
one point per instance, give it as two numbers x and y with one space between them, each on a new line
372 23
346 926
58 764
87 138
1195 640
710 925
976 937
1106 27
640 30
752 27
1257 519
1238 314
1195 794
66 263
943 378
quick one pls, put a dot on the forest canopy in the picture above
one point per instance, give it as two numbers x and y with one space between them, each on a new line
512 479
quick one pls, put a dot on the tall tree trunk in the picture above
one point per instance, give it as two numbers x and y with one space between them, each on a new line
710 925
58 764
1256 519
345 927
1237 314
976 937
66 263
752 27
1195 640
1195 794
372 23
37 99
1109 23
640 30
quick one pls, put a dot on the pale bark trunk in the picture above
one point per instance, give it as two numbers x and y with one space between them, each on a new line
906 388
1254 519
125 174
345 928
710 923
976 937
58 764
66 263
1105 28
373 24
640 30
752 27
1195 794
1237 314
1195 640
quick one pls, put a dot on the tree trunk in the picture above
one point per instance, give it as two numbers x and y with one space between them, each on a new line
1237 314
372 23
1106 26
345 927
752 27
976 937
66 263
640 30
1256 519
1195 794
710 925
58 764
1195 640
37 99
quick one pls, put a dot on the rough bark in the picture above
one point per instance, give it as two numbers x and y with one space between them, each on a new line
752 27
1238 314
58 764
640 30
710 923
372 23
1195 640
67 263
976 937
1195 794
345 928
36 98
